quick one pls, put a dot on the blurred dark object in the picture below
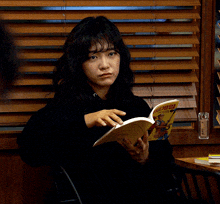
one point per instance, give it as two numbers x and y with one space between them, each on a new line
9 62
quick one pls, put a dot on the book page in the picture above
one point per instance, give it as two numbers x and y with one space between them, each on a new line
131 129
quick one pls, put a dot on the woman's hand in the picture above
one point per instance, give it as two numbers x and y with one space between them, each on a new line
104 118
139 152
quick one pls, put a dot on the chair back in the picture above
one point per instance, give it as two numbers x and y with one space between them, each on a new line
198 185
65 188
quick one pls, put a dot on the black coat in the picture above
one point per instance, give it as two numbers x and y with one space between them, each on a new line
58 135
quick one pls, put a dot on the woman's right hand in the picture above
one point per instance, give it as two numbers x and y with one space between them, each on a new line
104 118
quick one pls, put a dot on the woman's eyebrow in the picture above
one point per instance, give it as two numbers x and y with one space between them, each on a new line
102 50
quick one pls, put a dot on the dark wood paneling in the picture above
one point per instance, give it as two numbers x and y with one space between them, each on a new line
182 151
20 183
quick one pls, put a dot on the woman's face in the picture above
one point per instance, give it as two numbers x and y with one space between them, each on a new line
102 67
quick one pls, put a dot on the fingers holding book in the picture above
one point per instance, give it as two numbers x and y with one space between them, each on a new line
140 151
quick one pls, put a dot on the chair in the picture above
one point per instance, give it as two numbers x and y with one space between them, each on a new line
66 191
192 186
197 186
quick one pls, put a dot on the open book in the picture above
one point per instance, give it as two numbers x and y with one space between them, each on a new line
159 124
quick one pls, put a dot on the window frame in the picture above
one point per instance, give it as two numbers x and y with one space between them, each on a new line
206 81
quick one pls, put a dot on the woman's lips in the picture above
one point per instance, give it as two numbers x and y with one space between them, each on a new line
105 75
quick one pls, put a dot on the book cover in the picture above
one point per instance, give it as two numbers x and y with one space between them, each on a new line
202 160
206 161
164 116
214 158
135 128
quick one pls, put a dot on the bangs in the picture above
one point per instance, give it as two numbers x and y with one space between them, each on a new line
99 45
94 44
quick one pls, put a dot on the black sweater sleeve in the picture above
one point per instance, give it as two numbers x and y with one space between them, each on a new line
48 134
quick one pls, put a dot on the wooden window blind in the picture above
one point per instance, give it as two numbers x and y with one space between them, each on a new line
162 35
217 64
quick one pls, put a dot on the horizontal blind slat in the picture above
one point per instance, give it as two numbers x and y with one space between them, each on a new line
31 3
129 40
135 3
14 119
189 115
160 40
23 28
21 107
167 90
70 15
184 103
164 65
166 78
135 53
142 91
100 3
38 54
29 93
164 52
32 82
135 65
139 78
38 67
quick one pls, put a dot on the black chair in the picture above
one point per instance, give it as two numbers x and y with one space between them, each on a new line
192 186
64 189
197 186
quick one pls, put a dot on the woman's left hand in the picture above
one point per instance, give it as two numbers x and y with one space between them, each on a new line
139 152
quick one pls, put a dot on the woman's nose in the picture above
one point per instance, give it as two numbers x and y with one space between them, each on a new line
104 64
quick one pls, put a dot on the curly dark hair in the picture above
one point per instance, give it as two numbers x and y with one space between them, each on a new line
68 74
9 62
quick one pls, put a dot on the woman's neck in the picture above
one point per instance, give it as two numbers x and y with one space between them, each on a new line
100 91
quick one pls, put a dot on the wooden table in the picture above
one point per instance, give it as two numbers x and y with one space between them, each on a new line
190 163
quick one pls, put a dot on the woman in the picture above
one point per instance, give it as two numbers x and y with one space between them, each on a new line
92 84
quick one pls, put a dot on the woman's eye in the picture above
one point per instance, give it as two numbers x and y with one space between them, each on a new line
93 57
112 53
